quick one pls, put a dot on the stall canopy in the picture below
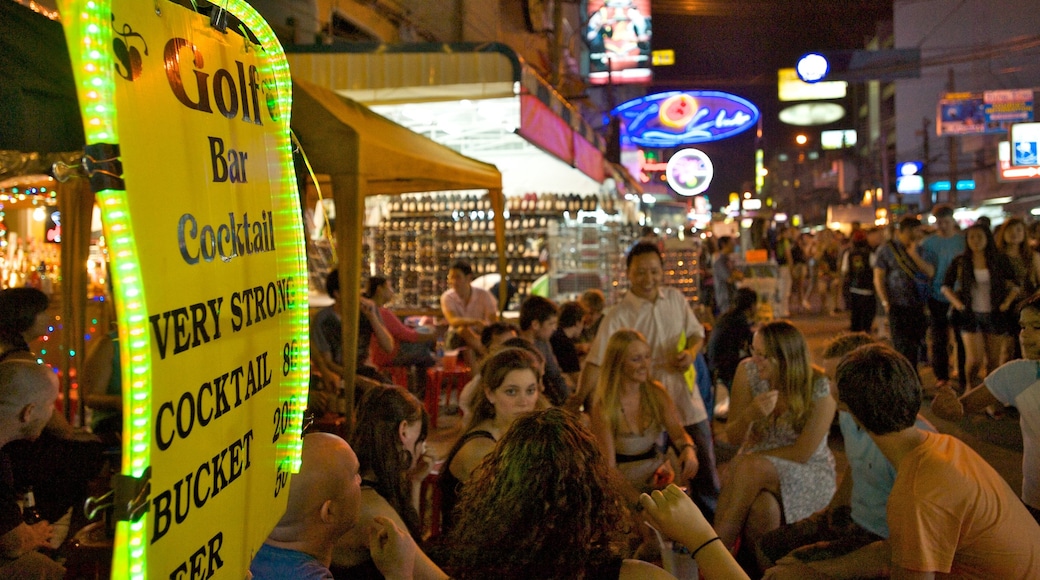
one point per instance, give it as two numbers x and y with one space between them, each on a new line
365 154
479 99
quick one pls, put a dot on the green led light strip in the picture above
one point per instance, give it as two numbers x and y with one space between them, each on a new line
293 265
89 35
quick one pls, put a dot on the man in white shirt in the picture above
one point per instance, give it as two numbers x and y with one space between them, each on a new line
468 311
663 315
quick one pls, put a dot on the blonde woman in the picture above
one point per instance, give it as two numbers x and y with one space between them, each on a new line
630 411
780 412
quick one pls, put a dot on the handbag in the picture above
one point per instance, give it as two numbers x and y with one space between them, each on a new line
922 283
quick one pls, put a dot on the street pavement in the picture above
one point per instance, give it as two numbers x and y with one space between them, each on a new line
998 440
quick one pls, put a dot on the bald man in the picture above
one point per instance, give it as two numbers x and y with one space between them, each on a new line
324 502
27 394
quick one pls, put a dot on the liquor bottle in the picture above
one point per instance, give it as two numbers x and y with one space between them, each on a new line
30 514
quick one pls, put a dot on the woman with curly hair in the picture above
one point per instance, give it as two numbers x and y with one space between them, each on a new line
543 506
780 412
390 442
509 387
980 285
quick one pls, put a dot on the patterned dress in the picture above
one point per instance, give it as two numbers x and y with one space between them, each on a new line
804 487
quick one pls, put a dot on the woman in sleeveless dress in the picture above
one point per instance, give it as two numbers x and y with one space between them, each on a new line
629 413
781 410
510 383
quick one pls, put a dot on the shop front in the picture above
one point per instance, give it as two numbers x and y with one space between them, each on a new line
484 102
362 156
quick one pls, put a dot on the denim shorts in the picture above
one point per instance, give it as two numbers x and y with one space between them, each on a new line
983 322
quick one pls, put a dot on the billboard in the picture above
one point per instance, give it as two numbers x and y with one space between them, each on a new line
989 112
618 33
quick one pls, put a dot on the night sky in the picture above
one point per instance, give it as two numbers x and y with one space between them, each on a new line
741 51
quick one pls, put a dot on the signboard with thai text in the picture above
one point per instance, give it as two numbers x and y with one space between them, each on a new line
188 138
989 112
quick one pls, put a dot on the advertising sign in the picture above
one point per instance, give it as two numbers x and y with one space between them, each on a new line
677 118
989 112
792 88
1025 140
618 33
689 172
1007 172
188 143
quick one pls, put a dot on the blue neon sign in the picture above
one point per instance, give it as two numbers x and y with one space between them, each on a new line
685 117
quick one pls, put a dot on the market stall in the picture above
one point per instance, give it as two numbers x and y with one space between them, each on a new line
482 100
366 155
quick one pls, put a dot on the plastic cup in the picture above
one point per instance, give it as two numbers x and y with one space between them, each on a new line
450 358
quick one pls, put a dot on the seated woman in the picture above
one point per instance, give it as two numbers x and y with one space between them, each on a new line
390 442
411 348
629 413
730 340
780 412
509 387
544 504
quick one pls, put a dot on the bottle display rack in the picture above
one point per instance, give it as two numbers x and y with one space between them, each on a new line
587 255
420 236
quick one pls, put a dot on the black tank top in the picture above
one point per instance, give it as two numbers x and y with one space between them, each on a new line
450 484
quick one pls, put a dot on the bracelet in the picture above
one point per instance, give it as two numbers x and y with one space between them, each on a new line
701 547
679 449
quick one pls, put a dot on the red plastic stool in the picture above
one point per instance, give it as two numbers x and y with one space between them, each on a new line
456 379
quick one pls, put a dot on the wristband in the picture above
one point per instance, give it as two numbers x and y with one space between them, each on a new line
701 547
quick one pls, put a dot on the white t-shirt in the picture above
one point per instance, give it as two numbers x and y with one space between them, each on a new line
1018 383
662 322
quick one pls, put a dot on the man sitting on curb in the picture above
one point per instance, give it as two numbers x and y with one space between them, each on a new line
830 541
949 511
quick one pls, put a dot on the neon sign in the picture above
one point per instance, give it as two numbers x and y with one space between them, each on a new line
689 172
683 118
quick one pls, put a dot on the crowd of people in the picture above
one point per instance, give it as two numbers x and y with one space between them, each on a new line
577 470
585 432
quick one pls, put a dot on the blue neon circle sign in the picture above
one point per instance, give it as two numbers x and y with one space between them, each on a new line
685 117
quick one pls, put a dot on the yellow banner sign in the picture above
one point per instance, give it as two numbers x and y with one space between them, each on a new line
665 57
210 278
